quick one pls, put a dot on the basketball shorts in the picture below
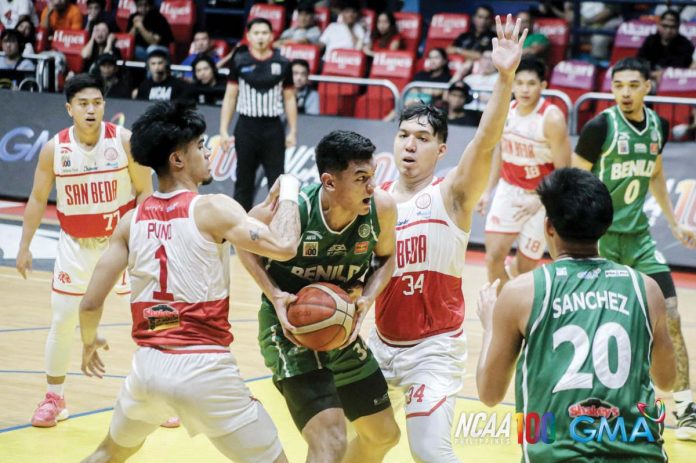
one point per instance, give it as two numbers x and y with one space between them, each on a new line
637 250
75 262
285 359
426 373
530 230
205 390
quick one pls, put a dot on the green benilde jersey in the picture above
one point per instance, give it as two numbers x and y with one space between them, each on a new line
625 166
587 353
341 257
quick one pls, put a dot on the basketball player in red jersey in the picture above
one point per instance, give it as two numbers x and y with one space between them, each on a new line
97 182
418 340
535 142
176 245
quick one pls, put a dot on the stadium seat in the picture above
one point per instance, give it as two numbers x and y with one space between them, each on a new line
305 51
125 44
41 42
676 82
123 11
70 43
444 28
574 78
273 13
396 66
181 16
558 33
339 99
629 38
83 6
411 29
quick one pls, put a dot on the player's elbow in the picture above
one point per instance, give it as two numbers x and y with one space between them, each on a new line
286 251
488 393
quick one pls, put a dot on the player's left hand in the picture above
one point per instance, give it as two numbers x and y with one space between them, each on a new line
362 305
685 235
488 294
91 363
290 140
526 207
507 46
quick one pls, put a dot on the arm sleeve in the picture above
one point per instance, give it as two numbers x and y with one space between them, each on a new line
664 125
589 145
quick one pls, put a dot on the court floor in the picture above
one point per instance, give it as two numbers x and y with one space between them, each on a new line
24 321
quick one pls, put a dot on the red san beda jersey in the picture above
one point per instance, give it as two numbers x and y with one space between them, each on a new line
526 155
179 280
93 188
424 296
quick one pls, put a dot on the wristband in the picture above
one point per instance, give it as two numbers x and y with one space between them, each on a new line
289 188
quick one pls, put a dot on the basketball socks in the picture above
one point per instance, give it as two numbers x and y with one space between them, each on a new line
56 389
683 399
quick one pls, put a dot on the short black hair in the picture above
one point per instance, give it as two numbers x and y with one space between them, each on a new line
101 3
79 82
300 62
632 64
487 8
163 128
532 64
674 14
265 21
306 7
435 117
12 34
338 148
577 203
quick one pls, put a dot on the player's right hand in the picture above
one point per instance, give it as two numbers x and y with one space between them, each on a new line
281 301
91 363
482 205
225 141
23 262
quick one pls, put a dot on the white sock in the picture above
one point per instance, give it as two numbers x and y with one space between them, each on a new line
683 399
56 389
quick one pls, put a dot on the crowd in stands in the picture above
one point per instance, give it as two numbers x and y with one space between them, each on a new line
453 48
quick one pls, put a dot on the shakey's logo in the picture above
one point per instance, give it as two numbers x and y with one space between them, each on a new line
659 404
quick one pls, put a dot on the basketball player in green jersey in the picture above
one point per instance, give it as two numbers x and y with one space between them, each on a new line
622 146
592 332
345 223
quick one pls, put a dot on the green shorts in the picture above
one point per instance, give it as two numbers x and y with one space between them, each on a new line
637 250
286 360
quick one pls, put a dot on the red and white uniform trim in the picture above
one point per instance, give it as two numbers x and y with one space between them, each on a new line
424 296
179 279
93 188
525 153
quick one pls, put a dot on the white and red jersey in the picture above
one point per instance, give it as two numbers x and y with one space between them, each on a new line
93 188
424 297
179 280
525 153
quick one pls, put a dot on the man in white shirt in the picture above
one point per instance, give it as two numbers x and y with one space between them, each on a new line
12 10
346 32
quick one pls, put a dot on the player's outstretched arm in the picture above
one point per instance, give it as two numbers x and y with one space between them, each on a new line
663 369
658 188
34 210
141 176
106 274
493 178
504 319
464 184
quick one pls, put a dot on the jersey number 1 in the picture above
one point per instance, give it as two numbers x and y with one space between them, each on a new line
162 294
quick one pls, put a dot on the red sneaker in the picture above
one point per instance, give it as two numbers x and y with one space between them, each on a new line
50 411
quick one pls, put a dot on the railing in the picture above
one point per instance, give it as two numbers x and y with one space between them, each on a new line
44 73
379 83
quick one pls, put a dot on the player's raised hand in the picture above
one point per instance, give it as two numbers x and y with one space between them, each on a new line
92 365
686 236
281 301
488 294
23 262
507 46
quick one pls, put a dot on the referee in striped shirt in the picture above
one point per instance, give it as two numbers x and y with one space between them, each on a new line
260 87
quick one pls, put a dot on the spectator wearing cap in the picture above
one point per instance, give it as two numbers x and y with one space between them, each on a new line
667 48
116 81
472 44
160 85
305 31
535 44
347 32
458 96
60 14
202 46
12 46
149 28
96 14
102 41
307 98
208 88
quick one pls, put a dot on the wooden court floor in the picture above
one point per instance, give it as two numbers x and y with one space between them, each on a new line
24 321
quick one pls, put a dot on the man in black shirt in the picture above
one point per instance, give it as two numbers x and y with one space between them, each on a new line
459 95
667 48
160 85
471 44
259 88
149 27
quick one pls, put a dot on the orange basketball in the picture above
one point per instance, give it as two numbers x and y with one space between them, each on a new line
323 314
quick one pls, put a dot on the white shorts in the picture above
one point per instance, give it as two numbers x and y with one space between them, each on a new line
204 390
530 230
75 262
427 373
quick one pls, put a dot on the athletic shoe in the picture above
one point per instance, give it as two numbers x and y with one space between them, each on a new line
171 423
50 411
686 423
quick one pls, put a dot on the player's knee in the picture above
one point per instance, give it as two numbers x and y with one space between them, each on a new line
495 257
425 451
387 437
328 443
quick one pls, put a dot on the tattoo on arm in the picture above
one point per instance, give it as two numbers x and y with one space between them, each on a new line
254 234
